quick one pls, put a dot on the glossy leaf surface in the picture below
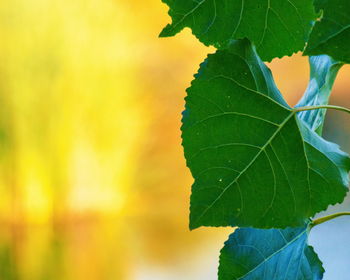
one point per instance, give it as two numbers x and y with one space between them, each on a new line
276 27
252 254
255 163
331 35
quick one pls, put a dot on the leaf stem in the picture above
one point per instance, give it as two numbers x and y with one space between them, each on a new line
333 107
328 218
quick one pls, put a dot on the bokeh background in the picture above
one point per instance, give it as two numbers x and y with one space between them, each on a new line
93 183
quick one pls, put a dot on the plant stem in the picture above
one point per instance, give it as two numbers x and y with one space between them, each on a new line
309 108
323 72
328 218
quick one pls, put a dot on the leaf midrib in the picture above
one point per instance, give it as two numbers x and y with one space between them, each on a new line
189 13
248 165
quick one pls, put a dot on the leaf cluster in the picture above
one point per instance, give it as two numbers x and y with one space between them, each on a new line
257 163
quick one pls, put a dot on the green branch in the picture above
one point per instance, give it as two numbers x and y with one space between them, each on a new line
332 107
328 218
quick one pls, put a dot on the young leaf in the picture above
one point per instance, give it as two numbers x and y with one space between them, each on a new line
323 71
252 254
276 27
331 35
255 163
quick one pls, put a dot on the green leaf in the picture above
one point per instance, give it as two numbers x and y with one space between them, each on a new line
323 71
331 35
255 163
276 27
252 254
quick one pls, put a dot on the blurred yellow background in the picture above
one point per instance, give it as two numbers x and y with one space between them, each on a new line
93 183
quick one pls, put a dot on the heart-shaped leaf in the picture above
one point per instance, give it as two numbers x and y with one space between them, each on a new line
276 27
331 35
255 163
269 254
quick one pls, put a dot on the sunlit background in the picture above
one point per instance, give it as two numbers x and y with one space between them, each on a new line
93 183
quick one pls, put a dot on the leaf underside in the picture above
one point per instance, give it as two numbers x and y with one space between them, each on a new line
255 254
255 163
276 27
331 35
323 72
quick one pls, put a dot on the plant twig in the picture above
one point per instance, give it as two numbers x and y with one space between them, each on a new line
333 107
328 218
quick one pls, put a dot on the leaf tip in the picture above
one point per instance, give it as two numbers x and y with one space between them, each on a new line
193 225
166 32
